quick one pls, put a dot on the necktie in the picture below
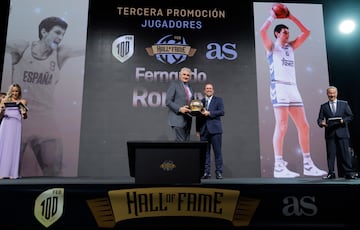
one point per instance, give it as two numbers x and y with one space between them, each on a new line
187 91
332 105
207 103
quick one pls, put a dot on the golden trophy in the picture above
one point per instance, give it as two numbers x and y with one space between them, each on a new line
196 106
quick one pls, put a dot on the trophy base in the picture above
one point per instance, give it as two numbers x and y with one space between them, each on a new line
195 113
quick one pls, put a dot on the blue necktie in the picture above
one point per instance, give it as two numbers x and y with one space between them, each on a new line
332 105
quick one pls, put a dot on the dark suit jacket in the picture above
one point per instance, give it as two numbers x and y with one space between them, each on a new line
213 122
335 128
176 98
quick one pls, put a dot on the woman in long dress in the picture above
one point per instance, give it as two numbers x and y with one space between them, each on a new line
13 110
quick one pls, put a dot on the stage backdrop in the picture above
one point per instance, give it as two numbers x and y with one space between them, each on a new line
135 48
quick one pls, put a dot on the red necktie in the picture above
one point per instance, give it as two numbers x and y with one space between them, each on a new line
187 91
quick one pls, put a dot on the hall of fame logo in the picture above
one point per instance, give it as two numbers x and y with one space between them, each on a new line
154 202
171 49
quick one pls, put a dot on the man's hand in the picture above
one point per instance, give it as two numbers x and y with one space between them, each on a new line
185 109
323 123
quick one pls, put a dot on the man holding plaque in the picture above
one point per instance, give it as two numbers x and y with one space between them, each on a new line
335 115
178 98
209 128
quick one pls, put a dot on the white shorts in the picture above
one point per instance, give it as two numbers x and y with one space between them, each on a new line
285 95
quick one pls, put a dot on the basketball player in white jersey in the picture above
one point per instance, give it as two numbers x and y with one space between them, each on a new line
285 96
36 67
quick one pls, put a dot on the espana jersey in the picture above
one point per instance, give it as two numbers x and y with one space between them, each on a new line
37 79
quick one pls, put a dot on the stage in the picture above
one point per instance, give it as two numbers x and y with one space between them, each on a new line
234 203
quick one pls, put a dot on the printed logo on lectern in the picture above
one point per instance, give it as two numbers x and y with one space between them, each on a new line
171 49
168 165
49 206
123 48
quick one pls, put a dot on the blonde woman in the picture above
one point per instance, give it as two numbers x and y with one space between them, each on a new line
13 110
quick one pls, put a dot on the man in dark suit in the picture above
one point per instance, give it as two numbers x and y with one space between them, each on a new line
209 128
335 115
178 98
